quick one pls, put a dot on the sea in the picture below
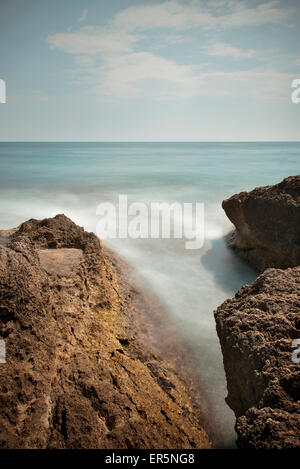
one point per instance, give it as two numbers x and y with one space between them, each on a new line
39 180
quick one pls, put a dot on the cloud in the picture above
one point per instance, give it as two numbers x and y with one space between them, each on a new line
83 15
122 32
226 14
148 76
118 61
169 14
131 24
221 49
84 59
257 15
143 74
90 40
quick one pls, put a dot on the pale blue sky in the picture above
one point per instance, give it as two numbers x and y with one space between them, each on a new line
143 70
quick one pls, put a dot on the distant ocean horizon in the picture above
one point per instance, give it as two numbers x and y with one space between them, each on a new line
42 179
149 141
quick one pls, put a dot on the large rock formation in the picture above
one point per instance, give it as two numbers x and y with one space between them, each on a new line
267 222
75 375
256 328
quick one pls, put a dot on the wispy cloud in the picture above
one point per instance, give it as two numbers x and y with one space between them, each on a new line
83 15
116 63
90 40
146 75
222 13
221 49
121 33
143 74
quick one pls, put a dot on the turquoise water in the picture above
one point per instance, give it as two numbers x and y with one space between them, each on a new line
42 179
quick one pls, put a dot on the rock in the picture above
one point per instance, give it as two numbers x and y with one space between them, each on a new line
256 329
267 222
76 375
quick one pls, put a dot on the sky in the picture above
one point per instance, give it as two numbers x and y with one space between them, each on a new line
144 70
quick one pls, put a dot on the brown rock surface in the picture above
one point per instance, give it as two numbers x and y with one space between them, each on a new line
256 329
60 261
76 375
267 222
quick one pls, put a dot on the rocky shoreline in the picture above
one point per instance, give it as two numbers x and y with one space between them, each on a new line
77 374
93 362
256 327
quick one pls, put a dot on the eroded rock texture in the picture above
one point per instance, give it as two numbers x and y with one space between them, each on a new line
256 329
76 376
267 222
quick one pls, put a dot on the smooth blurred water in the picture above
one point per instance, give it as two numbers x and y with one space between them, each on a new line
39 180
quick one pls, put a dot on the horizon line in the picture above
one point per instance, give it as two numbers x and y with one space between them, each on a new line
149 141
